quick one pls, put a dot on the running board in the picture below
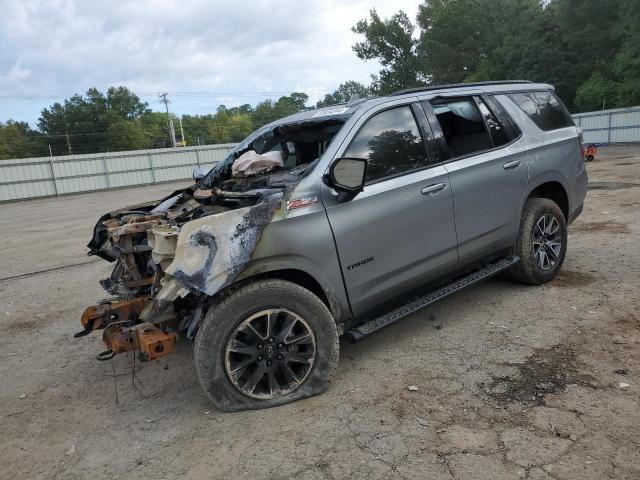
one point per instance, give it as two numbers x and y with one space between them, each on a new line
362 331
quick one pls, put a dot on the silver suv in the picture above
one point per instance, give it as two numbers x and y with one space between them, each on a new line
340 220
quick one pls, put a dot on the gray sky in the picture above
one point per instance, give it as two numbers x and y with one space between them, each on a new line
204 53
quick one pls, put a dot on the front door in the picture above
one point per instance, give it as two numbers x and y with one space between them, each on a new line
399 232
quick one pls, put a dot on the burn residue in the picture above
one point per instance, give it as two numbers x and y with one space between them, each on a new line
212 251
201 238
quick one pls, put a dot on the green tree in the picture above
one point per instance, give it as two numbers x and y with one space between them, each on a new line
18 140
83 124
196 128
390 42
344 93
595 93
268 110
585 48
240 125
626 63
459 38
124 134
155 125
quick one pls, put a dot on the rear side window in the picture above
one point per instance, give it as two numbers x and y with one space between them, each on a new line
391 143
544 108
463 126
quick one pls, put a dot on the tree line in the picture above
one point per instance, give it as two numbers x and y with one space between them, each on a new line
588 49
118 120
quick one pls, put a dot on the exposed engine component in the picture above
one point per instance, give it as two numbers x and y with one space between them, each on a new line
171 256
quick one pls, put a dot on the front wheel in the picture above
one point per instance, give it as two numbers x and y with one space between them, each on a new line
268 343
541 242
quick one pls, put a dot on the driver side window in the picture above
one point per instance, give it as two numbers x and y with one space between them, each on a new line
391 142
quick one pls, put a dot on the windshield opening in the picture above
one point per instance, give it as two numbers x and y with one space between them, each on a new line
299 146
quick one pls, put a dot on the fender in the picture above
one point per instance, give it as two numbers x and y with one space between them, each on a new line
337 300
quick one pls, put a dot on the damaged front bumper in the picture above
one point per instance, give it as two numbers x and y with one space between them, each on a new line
123 331
167 270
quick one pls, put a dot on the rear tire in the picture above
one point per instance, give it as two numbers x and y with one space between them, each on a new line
268 343
541 243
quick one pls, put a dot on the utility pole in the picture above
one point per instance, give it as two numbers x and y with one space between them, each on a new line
66 134
182 141
172 133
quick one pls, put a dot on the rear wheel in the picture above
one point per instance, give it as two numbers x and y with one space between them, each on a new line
541 242
268 343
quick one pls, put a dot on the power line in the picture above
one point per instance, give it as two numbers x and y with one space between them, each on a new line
264 93
37 134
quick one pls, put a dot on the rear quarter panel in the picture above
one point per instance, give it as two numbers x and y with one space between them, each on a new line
552 156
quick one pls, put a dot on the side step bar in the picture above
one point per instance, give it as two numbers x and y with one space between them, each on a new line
362 331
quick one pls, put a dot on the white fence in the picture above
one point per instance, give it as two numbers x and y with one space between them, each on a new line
618 125
51 176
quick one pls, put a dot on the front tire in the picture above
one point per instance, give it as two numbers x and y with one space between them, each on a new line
541 243
267 343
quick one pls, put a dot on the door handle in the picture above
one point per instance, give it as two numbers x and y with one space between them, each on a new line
511 165
433 189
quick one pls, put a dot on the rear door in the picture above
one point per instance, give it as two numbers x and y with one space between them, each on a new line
486 162
399 232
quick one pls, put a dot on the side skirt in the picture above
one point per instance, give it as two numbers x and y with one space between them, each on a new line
418 303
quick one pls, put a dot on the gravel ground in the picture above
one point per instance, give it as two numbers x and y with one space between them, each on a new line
512 381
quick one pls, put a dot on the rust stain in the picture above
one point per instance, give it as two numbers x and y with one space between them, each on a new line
150 340
101 315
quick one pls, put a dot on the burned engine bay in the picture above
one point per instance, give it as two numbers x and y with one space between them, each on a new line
170 257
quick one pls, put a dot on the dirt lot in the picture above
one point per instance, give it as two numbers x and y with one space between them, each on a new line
513 381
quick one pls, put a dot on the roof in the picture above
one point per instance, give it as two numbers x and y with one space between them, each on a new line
344 110
460 85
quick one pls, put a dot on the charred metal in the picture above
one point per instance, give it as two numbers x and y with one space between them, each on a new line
172 257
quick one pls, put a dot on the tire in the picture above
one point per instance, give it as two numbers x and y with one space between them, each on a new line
532 269
589 158
238 325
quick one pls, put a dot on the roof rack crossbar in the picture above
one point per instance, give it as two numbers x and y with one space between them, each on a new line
429 88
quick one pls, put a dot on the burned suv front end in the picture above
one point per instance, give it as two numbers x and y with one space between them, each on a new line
172 257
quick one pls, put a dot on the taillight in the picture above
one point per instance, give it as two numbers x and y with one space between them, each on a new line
581 140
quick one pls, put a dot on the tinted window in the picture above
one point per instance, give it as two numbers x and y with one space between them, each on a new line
463 126
498 133
391 142
544 109
509 127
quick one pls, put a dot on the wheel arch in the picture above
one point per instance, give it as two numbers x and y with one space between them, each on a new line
553 190
294 271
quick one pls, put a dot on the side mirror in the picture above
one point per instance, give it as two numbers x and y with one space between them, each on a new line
199 173
347 175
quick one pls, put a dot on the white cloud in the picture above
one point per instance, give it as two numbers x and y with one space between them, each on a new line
228 47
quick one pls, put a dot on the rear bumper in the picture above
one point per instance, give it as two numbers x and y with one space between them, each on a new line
577 191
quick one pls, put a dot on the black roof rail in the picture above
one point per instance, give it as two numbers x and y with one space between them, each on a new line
429 88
